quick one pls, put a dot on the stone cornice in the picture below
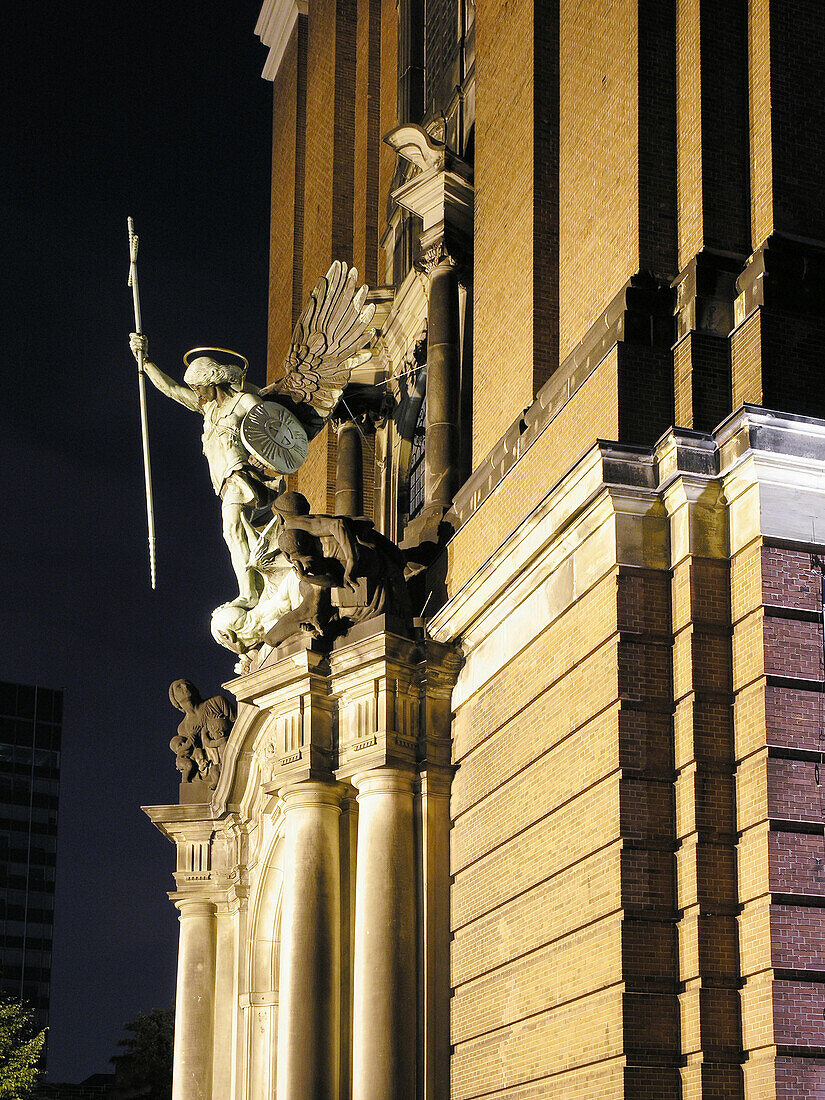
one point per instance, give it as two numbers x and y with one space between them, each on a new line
609 481
761 473
274 27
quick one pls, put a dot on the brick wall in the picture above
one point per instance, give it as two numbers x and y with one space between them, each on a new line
777 358
787 117
564 960
441 52
286 223
503 240
592 413
366 214
781 853
712 104
617 153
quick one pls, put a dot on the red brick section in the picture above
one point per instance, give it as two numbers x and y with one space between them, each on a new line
546 198
782 851
647 822
706 829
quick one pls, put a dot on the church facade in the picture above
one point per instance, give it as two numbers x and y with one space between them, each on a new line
565 836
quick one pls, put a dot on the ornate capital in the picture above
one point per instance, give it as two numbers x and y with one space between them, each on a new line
440 248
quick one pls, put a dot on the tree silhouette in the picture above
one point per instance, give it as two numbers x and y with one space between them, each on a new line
144 1070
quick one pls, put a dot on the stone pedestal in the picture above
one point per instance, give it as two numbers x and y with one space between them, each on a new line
310 975
195 1001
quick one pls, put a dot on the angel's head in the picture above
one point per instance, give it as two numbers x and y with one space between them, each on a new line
206 376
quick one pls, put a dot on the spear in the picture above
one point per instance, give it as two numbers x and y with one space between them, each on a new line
144 426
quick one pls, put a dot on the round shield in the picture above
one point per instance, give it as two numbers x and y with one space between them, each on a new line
275 437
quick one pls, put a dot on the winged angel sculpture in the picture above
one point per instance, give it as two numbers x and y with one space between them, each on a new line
251 436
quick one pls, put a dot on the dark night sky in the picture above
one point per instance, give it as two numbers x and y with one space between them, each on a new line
158 110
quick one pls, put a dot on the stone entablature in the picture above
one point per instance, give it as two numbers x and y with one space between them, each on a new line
763 460
331 754
276 21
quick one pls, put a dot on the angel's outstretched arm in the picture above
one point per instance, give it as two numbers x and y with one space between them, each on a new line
182 394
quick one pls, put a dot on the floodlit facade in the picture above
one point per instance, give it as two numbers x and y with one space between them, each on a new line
565 839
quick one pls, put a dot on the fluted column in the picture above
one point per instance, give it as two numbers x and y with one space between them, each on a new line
310 978
195 1000
385 1008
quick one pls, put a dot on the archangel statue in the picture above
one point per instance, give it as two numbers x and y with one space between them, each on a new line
252 437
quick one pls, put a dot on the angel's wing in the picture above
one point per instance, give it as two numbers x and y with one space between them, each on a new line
326 343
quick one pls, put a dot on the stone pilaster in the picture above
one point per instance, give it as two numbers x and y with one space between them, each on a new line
292 691
230 911
295 753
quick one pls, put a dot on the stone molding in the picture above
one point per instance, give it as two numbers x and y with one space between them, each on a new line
641 313
760 473
784 273
276 21
705 294
384 781
405 325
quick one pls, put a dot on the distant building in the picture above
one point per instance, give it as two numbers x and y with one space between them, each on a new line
30 722
93 1088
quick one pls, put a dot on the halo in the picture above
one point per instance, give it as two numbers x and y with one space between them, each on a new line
226 351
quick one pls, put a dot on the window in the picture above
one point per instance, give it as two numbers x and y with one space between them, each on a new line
416 482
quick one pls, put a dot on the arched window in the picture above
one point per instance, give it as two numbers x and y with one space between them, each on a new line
416 481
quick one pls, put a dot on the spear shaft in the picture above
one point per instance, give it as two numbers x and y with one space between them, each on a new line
144 425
